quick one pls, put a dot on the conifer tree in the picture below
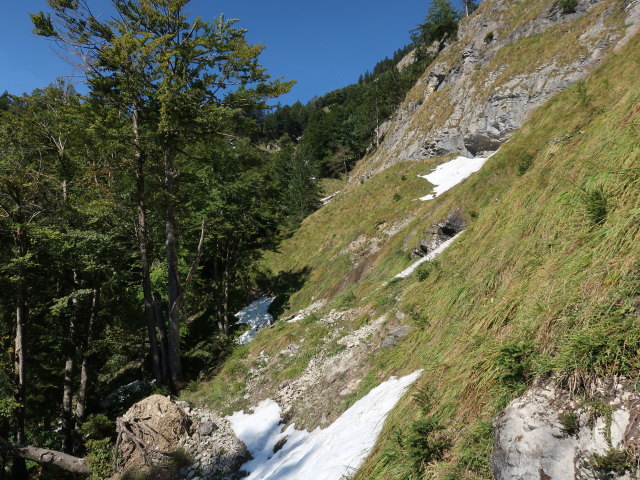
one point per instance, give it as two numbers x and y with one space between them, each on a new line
179 80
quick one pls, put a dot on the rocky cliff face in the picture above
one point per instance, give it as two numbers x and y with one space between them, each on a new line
511 57
548 434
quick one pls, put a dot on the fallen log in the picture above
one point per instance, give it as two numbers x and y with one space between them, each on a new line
49 457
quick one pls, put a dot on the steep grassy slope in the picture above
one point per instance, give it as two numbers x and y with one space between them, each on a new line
546 279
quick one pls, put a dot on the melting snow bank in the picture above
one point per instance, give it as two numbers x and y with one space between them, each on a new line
255 315
452 173
327 454
430 256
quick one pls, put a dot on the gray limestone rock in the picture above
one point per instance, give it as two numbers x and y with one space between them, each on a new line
467 102
549 434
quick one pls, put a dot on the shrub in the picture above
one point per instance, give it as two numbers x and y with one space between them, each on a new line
397 197
100 458
524 163
568 6
424 398
425 270
97 427
595 204
488 38
515 362
570 423
617 461
426 443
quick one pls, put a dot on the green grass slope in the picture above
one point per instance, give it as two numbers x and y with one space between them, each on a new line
544 281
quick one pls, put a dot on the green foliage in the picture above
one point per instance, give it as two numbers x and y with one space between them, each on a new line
426 443
440 25
614 461
427 269
515 363
424 398
476 446
397 197
524 163
595 204
97 427
100 458
489 37
608 344
570 422
567 6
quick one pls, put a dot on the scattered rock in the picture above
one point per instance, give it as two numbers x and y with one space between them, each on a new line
395 336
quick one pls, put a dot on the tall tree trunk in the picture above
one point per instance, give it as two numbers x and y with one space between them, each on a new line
142 230
162 335
173 343
81 402
69 367
19 468
225 293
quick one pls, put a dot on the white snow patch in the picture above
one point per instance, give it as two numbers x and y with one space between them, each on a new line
430 256
327 454
255 315
452 173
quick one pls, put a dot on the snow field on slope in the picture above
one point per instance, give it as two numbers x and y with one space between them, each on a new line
451 173
327 454
257 316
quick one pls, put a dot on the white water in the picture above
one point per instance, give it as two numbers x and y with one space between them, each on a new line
327 454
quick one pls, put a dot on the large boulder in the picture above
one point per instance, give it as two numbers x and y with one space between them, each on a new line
549 434
169 440
150 433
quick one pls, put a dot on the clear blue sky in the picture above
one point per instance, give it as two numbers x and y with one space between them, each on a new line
323 45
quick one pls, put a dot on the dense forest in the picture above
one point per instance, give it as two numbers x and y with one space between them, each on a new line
133 218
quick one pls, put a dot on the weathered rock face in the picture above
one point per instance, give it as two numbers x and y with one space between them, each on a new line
169 440
509 60
441 232
150 429
547 434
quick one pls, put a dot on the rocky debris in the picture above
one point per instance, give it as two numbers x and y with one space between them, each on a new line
314 307
324 370
441 232
170 440
549 434
333 372
395 336
214 447
466 102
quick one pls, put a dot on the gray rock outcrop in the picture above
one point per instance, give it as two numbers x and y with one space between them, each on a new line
441 232
479 91
548 434
169 440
